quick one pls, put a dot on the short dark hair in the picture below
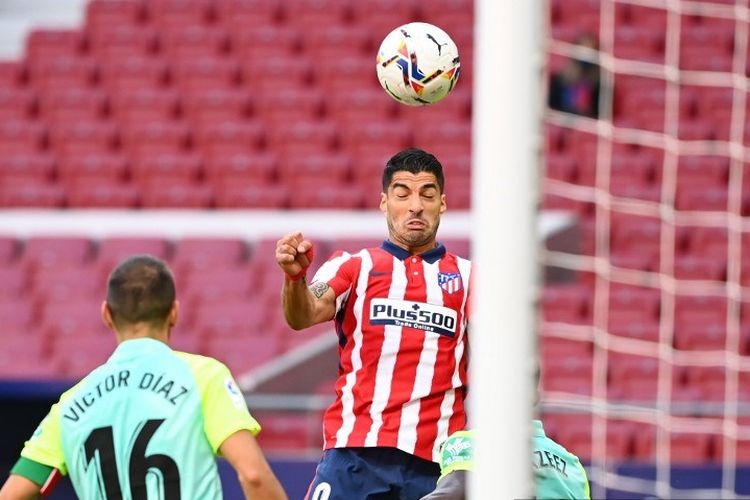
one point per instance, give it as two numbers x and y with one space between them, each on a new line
140 289
413 160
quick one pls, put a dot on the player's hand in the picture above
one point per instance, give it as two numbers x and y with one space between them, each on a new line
294 254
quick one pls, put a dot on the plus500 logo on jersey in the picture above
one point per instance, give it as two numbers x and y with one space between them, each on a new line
416 315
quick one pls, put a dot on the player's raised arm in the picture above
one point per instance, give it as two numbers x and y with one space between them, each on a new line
19 488
256 477
303 306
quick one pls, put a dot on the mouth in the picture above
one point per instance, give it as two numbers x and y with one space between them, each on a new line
416 224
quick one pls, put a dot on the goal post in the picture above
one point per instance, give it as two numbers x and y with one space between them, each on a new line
507 115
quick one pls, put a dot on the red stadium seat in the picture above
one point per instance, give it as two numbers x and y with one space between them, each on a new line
217 104
16 103
16 314
325 194
345 73
258 168
122 40
691 448
274 71
180 167
333 168
233 194
285 433
259 43
61 71
114 13
172 193
46 43
192 39
639 42
632 324
108 166
133 72
631 377
699 310
706 43
77 357
567 303
231 316
631 298
72 104
229 137
692 267
12 73
700 337
144 104
320 38
25 357
155 136
59 284
206 72
247 14
304 13
9 250
33 167
22 194
44 252
90 136
351 107
71 318
91 192
303 137
21 136
242 354
115 249
179 12
282 105
385 134
209 255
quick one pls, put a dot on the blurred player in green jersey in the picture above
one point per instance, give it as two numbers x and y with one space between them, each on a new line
557 472
148 422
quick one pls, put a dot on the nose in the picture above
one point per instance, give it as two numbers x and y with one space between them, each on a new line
415 203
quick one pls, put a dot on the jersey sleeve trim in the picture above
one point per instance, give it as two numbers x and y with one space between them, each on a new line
32 470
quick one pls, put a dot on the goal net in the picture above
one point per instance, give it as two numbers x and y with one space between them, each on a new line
644 334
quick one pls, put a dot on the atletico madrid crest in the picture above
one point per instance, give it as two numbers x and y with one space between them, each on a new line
450 282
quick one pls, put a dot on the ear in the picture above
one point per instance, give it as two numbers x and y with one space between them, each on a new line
383 202
443 205
106 313
174 312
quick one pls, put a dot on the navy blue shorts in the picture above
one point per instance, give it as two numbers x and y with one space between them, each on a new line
372 474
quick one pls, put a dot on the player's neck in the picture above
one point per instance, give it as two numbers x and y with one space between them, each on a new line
142 331
415 250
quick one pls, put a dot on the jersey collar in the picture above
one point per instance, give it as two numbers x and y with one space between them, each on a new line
431 256
134 347
538 428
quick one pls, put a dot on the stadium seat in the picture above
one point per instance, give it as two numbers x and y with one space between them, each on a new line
32 167
92 192
73 104
12 74
566 303
107 166
285 105
383 135
21 136
62 71
206 256
247 14
326 194
702 241
321 38
345 73
176 193
60 284
242 354
17 313
144 104
77 357
20 193
206 72
288 432
641 43
179 12
637 299
631 377
700 337
631 324
706 43
84 136
179 167
333 167
147 138
133 72
113 13
197 40
49 43
44 252
73 317
10 250
231 193
691 448
561 167
215 105
223 137
693 267
303 137
122 40
304 13
257 43
16 103
114 249
274 71
699 310
25 357
696 196
252 167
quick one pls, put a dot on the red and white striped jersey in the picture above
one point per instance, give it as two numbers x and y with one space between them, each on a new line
402 325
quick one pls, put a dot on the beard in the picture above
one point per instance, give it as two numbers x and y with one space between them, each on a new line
413 238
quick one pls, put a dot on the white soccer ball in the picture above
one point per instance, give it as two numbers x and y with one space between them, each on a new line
418 64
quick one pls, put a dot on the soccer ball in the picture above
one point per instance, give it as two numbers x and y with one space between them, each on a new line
418 64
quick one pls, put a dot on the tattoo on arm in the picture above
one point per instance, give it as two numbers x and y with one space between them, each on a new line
319 289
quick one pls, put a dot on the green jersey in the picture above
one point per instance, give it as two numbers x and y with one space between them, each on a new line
146 424
557 472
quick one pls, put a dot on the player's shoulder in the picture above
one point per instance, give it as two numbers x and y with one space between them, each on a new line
199 364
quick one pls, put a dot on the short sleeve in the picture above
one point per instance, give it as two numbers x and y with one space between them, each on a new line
338 271
45 445
224 408
457 453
